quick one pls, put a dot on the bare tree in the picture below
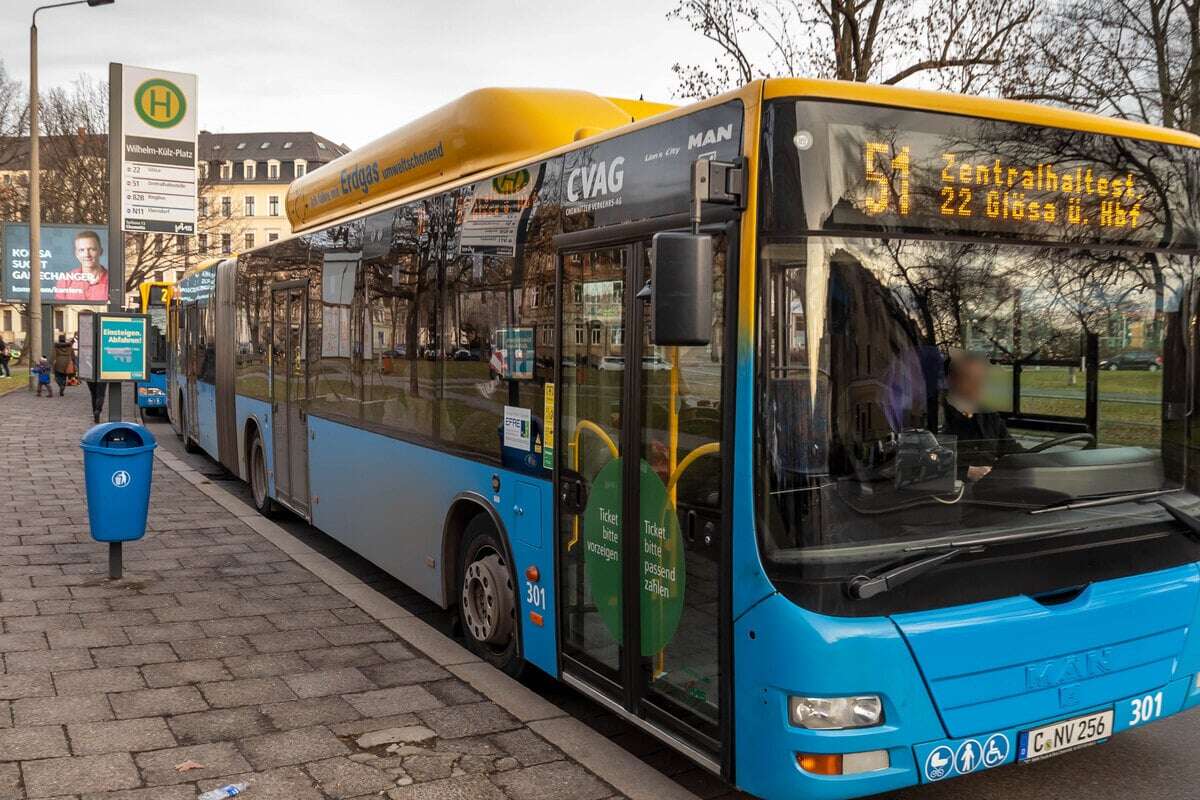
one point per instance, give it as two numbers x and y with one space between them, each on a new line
1135 59
973 46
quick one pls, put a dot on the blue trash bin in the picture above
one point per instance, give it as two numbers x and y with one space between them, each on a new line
118 460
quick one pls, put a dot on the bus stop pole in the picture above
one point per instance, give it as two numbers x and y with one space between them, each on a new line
116 238
116 561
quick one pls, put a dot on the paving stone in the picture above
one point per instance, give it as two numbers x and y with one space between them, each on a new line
101 773
560 780
181 672
236 626
246 691
399 673
155 702
352 656
44 622
265 666
87 637
469 720
26 684
104 679
48 660
368 724
357 634
527 747
466 787
327 682
212 647
164 632
341 778
292 747
311 711
430 767
10 782
284 641
393 651
398 700
134 655
305 619
155 793
61 710
116 619
453 692
32 741
15 642
409 734
220 758
221 724
122 736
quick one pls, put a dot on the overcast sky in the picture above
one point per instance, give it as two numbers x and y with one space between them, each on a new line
355 69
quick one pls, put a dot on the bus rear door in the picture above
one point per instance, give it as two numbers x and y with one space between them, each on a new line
289 393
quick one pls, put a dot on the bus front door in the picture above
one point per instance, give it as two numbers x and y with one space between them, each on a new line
289 394
640 538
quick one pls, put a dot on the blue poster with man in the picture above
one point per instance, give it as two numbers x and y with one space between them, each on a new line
73 261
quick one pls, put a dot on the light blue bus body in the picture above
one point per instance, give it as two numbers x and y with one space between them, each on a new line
965 681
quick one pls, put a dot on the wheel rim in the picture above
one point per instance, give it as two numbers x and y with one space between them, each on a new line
487 600
258 470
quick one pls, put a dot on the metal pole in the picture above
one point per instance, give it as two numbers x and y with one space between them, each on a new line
116 237
116 563
35 210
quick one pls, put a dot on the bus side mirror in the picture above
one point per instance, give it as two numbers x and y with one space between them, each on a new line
681 288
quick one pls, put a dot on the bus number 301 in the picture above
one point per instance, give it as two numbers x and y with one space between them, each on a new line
535 595
1146 708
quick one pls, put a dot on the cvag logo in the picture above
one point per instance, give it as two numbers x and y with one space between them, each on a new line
711 136
596 180
1068 669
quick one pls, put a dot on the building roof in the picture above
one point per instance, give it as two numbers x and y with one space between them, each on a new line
263 146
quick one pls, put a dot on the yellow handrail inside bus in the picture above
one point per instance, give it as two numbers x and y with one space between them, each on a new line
712 448
581 426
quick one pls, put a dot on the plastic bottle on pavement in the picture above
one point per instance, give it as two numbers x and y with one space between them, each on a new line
231 790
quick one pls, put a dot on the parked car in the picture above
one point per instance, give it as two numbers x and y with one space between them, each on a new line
612 363
1134 359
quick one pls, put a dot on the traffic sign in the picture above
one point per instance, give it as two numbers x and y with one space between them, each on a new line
159 178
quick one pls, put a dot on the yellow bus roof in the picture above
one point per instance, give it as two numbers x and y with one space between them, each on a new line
482 130
968 105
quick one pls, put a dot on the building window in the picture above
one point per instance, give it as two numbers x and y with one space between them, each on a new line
60 319
249 205
226 170
158 245
158 276
287 145
226 244
181 245
249 241
618 336
204 170
596 335
580 336
547 335
577 294
226 207
8 319
248 170
202 243
301 168
535 295
273 170
272 237
203 207
273 205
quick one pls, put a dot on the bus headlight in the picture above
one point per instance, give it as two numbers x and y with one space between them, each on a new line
835 713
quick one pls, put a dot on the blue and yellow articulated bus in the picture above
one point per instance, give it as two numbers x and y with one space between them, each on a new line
842 437
155 299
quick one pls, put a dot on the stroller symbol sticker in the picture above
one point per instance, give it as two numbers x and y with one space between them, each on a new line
120 479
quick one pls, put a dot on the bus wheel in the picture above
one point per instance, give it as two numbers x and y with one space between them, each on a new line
258 480
487 598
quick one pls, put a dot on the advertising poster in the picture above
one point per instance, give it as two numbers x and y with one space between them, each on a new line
74 264
121 342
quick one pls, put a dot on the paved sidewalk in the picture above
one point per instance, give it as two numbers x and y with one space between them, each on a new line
232 651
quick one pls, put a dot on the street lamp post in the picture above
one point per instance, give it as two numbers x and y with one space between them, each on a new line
35 188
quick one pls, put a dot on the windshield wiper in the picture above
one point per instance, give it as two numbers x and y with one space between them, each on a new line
862 587
1110 500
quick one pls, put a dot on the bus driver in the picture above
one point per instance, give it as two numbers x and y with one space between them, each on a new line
983 438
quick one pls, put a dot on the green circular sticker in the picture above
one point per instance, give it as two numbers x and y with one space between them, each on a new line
662 572
160 103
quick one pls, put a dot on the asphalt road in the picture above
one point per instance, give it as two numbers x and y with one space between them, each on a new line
1159 761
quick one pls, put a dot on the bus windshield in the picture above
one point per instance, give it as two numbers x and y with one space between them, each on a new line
932 380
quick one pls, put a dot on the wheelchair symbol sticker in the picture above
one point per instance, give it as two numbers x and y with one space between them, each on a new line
938 763
966 759
120 479
995 750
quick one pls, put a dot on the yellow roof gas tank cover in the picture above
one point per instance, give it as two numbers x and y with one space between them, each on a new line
485 129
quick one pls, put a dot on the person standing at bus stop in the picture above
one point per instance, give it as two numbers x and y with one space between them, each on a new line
96 389
63 362
5 357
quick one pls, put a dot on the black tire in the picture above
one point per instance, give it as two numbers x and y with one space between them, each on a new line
256 469
488 607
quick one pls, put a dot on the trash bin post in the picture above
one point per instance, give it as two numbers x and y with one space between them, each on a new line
118 463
